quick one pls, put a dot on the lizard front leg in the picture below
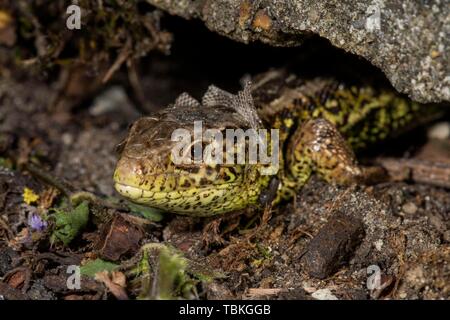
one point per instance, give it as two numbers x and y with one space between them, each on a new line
318 147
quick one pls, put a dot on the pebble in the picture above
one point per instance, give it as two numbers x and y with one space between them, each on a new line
110 100
446 236
440 131
67 139
324 294
379 244
409 208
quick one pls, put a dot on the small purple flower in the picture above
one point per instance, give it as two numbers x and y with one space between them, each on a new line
36 223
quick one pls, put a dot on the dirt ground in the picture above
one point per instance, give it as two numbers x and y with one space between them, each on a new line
329 243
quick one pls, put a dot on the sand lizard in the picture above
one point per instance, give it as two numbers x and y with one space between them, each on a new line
320 120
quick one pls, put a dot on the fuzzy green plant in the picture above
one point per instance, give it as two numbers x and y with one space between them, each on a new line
68 223
163 273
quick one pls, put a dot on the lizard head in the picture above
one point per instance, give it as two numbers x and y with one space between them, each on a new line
154 170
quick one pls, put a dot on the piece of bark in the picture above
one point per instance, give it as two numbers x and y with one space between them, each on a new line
333 245
121 237
422 171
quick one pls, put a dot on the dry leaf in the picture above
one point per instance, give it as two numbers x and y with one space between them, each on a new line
117 290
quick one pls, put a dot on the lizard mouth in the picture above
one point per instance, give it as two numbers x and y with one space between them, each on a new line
203 201
182 192
133 193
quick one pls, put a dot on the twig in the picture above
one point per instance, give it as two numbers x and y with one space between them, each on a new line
421 171
41 42
79 196
62 258
135 83
296 235
259 292
74 196
4 225
123 56
46 177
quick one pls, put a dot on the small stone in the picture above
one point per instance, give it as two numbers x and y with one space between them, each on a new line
379 244
67 138
324 294
409 208
308 287
111 100
446 236
440 131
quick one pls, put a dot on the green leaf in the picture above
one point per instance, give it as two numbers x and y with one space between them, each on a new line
146 212
69 223
97 265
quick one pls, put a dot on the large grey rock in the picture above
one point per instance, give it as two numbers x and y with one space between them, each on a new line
408 40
